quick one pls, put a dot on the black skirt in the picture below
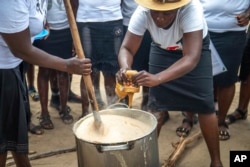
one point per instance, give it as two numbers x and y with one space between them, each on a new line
14 111
230 46
192 92
58 43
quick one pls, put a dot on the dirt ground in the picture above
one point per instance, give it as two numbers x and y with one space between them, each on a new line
195 154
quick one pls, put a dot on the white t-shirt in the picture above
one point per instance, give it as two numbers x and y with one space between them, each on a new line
189 18
16 16
57 16
128 8
220 14
99 10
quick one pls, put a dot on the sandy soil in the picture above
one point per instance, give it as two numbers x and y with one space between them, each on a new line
195 154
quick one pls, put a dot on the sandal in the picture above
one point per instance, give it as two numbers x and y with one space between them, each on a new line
57 106
66 117
35 129
45 122
238 114
195 117
224 133
184 132
34 95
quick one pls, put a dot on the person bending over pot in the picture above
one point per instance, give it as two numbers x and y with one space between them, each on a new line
180 67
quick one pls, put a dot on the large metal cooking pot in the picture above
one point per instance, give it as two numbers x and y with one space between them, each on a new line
139 152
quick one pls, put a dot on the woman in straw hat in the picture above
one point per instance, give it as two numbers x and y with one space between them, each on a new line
180 68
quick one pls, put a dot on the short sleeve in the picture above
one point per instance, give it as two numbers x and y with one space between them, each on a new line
192 17
138 21
14 15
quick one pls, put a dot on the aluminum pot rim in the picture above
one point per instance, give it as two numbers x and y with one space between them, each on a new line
152 117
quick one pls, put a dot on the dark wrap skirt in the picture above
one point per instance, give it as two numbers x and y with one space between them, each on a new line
192 92
14 111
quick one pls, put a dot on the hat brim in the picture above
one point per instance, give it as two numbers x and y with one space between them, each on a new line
156 5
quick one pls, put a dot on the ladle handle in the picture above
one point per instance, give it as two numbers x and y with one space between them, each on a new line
80 53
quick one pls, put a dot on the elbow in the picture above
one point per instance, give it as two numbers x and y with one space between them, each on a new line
196 61
22 53
18 54
192 63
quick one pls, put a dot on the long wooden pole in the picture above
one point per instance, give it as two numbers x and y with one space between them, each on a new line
80 53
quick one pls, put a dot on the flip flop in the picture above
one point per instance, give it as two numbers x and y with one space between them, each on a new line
224 133
35 129
34 95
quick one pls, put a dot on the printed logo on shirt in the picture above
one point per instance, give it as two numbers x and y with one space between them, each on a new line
58 2
41 10
41 6
176 47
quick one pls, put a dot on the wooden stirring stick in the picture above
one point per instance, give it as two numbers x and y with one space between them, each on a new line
80 54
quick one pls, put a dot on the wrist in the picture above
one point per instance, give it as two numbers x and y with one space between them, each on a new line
247 13
159 80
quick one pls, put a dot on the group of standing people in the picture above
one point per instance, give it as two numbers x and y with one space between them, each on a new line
227 29
241 111
174 66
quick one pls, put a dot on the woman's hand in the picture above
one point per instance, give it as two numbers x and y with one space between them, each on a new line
143 78
79 66
243 19
121 76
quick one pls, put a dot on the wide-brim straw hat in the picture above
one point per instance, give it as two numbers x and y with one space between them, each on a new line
162 5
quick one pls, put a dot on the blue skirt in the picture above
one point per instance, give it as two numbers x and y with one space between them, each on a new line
192 92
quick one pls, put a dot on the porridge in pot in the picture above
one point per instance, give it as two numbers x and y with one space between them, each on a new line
116 129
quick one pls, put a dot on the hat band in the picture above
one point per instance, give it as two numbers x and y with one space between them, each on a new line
168 1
